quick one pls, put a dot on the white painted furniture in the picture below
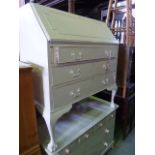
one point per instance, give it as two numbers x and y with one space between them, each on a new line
73 58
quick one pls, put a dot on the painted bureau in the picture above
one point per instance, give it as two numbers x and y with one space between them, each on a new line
72 58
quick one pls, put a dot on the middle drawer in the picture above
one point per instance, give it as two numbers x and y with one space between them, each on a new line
62 74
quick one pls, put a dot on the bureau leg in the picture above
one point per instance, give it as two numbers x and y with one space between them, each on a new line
112 88
51 147
51 119
112 98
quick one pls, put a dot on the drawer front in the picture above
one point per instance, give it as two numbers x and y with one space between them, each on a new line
73 54
109 128
75 72
104 81
72 93
93 142
87 144
80 146
104 130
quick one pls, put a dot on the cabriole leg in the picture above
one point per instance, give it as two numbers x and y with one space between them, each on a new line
112 98
51 119
51 147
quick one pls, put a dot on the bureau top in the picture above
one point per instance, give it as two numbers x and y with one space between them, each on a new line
62 26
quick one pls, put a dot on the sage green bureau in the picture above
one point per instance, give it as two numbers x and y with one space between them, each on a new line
72 58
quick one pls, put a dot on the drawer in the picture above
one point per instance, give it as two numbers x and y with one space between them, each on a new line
109 128
105 81
94 141
65 54
64 74
72 93
79 146
90 143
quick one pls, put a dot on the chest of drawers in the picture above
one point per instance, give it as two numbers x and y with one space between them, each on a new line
87 129
72 58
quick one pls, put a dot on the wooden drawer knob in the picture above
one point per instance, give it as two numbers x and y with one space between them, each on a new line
107 80
107 131
103 82
104 66
112 116
80 54
67 151
100 124
105 144
86 136
73 56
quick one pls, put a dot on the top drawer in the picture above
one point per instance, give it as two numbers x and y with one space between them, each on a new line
64 54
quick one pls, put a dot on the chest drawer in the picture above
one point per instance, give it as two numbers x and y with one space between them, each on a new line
98 139
74 53
72 93
89 143
100 82
64 74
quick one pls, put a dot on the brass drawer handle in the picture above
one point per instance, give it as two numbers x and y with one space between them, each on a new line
108 53
104 66
72 55
107 80
103 82
67 151
80 55
77 57
76 93
75 73
72 94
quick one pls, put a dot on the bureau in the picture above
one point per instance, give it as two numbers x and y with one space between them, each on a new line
72 58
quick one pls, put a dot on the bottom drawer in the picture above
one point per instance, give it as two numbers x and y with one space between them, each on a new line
94 142
75 92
